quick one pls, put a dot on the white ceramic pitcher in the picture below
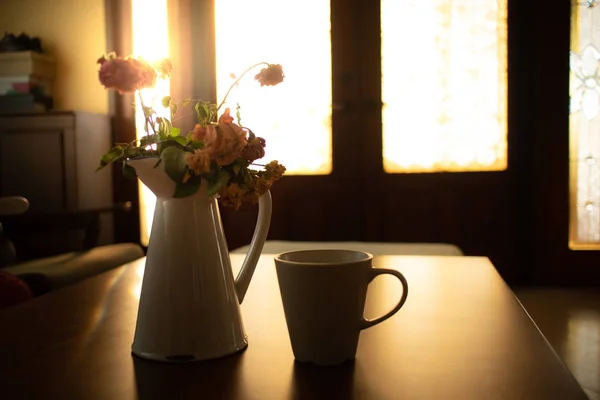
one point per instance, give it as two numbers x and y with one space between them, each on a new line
189 305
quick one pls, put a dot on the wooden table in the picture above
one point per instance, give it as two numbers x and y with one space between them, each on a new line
461 335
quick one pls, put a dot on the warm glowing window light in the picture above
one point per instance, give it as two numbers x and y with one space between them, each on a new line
444 85
151 42
296 36
584 185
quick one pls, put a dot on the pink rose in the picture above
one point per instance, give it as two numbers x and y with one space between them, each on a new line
125 74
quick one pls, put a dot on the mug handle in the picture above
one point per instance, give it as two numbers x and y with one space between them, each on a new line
367 323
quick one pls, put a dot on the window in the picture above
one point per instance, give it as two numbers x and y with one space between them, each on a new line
150 41
444 85
584 125
263 30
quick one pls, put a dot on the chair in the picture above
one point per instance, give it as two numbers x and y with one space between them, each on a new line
68 264
375 248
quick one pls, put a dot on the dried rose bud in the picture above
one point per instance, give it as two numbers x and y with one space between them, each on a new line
271 75
226 118
255 149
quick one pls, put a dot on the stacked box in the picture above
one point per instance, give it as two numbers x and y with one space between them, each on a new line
26 80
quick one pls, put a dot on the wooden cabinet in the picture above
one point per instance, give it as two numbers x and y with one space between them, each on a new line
51 158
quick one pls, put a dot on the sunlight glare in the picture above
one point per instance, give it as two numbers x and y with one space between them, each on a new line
444 85
297 113
151 42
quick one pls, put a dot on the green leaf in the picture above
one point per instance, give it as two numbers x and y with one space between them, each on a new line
131 151
249 178
186 189
148 111
173 109
178 141
166 101
201 114
197 144
113 155
128 171
176 132
164 128
175 166
215 185
212 111
148 140
161 128
185 102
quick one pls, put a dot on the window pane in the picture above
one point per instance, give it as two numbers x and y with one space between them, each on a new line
584 127
444 85
297 111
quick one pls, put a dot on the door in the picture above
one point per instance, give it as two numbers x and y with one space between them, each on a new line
479 211
485 211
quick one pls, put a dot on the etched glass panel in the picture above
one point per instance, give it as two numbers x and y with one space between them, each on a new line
584 127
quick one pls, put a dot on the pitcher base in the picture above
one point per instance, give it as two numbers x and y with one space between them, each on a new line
184 358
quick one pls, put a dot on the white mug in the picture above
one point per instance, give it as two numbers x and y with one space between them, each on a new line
323 294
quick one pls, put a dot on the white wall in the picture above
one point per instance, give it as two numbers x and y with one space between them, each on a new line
73 32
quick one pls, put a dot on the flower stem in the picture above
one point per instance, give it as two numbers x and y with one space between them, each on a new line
146 117
236 82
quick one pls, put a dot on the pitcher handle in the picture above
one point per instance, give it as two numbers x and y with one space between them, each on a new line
256 245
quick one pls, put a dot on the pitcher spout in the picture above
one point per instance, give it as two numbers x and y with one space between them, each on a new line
151 173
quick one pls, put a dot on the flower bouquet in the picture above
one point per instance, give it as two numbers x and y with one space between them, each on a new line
218 155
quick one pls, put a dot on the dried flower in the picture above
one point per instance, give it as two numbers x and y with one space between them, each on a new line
163 68
224 142
263 183
125 74
255 149
199 132
226 118
232 195
217 151
198 161
274 170
271 75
